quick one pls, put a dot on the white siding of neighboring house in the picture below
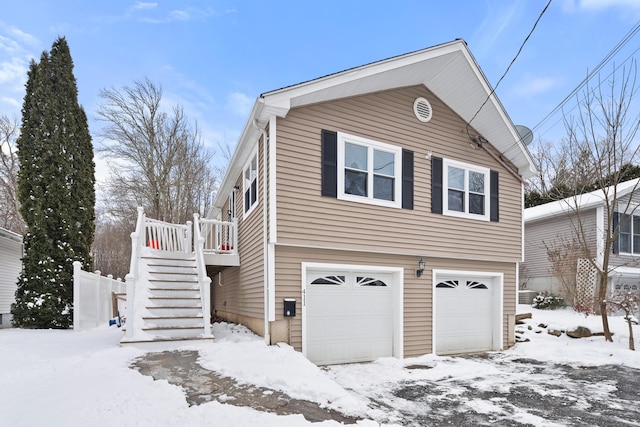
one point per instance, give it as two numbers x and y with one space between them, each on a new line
10 267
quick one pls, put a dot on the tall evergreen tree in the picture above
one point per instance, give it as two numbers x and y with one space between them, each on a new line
56 191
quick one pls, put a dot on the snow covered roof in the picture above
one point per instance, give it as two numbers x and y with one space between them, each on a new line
10 235
448 70
583 201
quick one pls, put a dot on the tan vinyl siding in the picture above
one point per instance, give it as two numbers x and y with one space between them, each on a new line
417 296
305 217
242 290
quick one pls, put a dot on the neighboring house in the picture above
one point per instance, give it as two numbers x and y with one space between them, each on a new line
10 268
343 186
552 226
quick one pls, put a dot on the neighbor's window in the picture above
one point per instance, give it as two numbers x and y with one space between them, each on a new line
369 171
629 234
250 183
466 190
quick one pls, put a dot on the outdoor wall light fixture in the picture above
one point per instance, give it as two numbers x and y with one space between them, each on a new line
236 187
421 265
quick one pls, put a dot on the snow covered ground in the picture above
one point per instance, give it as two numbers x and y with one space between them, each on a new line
66 378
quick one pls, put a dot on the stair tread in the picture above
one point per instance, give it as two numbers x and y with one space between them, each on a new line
177 328
175 273
172 317
174 307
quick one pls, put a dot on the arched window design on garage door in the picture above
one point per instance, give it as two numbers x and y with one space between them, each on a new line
369 281
329 280
452 284
447 284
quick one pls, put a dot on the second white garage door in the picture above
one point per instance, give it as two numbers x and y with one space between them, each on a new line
467 314
349 316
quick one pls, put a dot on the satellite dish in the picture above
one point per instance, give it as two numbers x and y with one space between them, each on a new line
526 136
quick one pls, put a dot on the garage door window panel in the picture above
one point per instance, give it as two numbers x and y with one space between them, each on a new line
329 280
368 281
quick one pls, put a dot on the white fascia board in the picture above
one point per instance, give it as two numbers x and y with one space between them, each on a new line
277 96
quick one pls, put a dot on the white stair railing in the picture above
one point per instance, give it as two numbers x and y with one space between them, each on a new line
204 281
132 277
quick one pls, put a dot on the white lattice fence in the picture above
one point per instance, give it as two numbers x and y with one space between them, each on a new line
586 282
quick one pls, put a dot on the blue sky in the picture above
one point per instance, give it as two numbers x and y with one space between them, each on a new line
215 57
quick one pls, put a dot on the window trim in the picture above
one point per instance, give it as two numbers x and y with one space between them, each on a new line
371 145
446 163
247 211
232 203
621 213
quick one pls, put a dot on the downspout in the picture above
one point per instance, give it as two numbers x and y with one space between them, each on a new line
265 240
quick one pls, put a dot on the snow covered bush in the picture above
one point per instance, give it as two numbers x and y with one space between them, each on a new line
546 301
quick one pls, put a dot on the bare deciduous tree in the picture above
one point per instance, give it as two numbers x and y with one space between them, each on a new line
10 217
157 159
600 141
111 248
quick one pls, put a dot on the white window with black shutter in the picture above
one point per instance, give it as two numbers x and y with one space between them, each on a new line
464 190
362 170
250 183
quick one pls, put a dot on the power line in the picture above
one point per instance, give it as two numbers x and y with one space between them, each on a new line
589 75
510 64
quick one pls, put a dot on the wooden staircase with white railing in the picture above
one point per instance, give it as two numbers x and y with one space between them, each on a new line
168 297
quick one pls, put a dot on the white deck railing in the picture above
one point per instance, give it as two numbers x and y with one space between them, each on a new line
165 236
220 237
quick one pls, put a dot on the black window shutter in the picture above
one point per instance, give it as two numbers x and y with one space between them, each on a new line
407 179
494 212
329 163
436 185
616 233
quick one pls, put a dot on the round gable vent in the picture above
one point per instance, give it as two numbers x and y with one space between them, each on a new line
422 109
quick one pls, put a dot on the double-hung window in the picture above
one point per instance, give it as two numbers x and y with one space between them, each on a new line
250 183
629 234
466 190
369 171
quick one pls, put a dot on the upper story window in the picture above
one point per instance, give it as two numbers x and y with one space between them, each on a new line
629 234
250 183
369 171
465 190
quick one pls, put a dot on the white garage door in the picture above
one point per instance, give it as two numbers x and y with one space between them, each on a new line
464 314
349 316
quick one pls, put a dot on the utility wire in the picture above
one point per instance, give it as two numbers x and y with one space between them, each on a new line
627 37
589 75
510 64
